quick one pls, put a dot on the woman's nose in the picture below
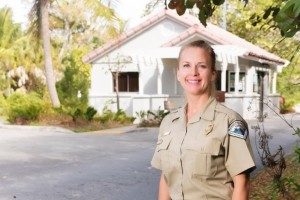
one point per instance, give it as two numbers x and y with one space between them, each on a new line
195 71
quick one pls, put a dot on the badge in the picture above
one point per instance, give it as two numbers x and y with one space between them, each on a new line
167 133
209 128
238 129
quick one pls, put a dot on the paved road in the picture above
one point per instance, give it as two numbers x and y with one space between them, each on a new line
52 164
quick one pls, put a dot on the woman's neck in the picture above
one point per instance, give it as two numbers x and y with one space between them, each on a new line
195 104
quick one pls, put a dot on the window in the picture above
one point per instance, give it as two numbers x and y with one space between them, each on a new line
241 84
128 81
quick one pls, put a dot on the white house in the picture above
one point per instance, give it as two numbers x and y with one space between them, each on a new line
148 80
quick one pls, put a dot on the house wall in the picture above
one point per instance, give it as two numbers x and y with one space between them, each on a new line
101 80
148 75
169 80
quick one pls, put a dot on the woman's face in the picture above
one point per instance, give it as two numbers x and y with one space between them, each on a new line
195 72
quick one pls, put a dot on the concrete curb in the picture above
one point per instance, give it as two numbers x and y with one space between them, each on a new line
120 130
40 128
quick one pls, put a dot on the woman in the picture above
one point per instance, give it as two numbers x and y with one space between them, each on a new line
202 149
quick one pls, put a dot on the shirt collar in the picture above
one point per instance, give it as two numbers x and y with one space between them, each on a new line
208 113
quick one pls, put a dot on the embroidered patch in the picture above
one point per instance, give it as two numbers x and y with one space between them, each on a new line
238 129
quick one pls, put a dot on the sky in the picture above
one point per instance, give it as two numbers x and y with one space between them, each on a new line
131 10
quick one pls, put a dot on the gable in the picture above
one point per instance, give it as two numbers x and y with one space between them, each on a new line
151 38
167 29
152 33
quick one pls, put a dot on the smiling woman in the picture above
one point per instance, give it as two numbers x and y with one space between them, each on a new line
203 148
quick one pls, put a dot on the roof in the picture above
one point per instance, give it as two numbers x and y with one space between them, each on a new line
210 32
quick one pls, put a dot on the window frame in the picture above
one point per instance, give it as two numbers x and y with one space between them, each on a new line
129 76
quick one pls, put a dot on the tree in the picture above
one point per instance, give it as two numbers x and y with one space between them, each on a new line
77 23
40 19
285 14
40 26
9 34
115 67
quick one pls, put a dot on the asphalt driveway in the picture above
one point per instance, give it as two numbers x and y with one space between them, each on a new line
50 163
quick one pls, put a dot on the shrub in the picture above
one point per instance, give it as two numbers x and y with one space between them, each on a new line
119 116
24 107
90 113
3 105
76 80
153 119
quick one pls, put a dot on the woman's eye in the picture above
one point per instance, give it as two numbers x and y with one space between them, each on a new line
202 66
186 65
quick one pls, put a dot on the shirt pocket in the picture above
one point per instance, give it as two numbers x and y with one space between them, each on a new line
206 159
163 150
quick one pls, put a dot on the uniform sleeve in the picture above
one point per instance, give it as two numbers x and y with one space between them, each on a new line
156 159
238 153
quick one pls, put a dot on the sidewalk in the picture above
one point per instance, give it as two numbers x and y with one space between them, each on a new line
118 130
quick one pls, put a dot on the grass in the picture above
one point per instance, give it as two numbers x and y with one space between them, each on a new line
264 188
80 125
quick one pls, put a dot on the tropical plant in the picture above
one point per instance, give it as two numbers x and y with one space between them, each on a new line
24 107
76 80
285 14
39 17
77 23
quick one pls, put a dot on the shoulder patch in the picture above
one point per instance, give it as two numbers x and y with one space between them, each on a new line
238 129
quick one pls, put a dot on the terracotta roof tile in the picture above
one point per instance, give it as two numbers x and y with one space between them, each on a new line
210 32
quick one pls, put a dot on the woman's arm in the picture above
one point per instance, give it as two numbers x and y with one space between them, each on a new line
241 187
163 193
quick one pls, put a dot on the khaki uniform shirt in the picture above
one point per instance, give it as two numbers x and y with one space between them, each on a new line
199 158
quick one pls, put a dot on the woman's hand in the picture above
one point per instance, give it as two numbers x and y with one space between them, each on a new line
163 193
241 187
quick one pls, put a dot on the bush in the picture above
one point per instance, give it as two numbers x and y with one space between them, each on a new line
3 105
76 80
153 119
119 116
24 107
90 113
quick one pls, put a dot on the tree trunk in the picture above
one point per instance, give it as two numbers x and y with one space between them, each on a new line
117 91
45 36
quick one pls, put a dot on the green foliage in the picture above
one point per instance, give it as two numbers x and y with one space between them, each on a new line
110 116
3 105
284 14
76 79
151 118
90 113
288 18
24 106
158 115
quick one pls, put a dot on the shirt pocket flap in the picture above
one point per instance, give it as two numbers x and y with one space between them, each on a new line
163 143
212 147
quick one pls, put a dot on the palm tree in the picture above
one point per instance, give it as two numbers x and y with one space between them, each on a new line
39 17
9 34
